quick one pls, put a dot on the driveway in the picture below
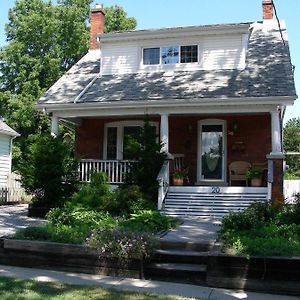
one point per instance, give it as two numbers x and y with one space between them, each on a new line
14 217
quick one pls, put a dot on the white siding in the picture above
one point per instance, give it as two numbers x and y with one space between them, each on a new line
5 158
215 52
119 58
223 53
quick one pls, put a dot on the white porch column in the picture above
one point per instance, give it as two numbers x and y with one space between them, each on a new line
164 132
276 133
54 126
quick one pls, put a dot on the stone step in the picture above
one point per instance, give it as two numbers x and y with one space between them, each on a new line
191 273
182 256
170 244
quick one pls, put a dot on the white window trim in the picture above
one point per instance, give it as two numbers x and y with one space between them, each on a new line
179 56
120 137
199 165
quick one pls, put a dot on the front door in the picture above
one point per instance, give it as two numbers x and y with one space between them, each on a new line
211 152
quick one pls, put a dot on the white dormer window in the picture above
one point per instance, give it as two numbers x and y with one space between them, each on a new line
170 55
151 56
189 54
167 55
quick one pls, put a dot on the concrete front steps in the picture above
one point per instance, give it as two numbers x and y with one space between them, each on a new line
180 262
210 201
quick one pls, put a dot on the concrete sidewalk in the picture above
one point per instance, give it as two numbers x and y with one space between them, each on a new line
159 287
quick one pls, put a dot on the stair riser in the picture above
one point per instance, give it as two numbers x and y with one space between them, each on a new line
176 275
167 258
171 245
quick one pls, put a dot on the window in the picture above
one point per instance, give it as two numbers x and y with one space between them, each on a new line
116 137
169 55
151 56
111 150
188 54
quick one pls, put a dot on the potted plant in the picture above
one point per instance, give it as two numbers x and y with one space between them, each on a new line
255 176
178 177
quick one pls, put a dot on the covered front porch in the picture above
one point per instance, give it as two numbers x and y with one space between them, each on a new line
203 145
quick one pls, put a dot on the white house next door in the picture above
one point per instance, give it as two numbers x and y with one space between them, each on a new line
211 152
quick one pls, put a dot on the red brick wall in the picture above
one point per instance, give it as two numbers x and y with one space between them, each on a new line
90 136
254 134
251 142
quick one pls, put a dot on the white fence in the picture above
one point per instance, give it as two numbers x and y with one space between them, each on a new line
13 192
290 188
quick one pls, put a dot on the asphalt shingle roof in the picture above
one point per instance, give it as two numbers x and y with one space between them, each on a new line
268 73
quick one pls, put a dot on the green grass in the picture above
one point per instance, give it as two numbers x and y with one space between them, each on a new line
17 289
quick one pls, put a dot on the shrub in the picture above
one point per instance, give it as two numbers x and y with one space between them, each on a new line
96 194
77 216
148 221
49 171
130 199
122 244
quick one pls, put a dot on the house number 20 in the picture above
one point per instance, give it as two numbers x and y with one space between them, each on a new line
215 190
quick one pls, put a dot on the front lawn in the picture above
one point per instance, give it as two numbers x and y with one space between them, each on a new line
11 288
263 229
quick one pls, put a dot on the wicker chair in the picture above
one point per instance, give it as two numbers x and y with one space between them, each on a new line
238 170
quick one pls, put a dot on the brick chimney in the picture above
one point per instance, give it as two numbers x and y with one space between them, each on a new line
267 9
97 18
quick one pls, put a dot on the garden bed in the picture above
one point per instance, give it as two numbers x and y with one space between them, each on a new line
66 257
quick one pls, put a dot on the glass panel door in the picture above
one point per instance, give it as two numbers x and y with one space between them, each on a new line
212 152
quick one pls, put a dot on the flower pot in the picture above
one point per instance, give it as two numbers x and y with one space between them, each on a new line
256 182
177 181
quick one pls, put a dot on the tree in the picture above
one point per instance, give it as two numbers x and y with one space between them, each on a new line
116 19
291 143
49 171
145 150
44 41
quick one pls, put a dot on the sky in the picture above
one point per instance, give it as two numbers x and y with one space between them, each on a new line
159 13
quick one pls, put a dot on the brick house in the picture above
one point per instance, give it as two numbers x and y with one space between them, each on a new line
216 94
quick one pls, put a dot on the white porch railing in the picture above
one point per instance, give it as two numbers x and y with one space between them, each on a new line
163 179
116 170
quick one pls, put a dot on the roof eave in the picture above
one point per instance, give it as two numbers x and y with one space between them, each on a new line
177 31
277 100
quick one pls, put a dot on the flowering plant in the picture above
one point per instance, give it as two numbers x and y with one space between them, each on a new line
121 243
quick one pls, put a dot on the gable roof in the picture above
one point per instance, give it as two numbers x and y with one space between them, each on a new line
5 129
268 73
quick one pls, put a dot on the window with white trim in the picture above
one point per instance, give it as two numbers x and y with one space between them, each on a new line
170 55
116 137
151 56
189 54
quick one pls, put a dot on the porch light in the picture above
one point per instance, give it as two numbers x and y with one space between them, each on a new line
235 127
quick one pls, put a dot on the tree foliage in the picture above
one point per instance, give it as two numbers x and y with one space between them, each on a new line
291 143
49 171
44 41
116 19
145 150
